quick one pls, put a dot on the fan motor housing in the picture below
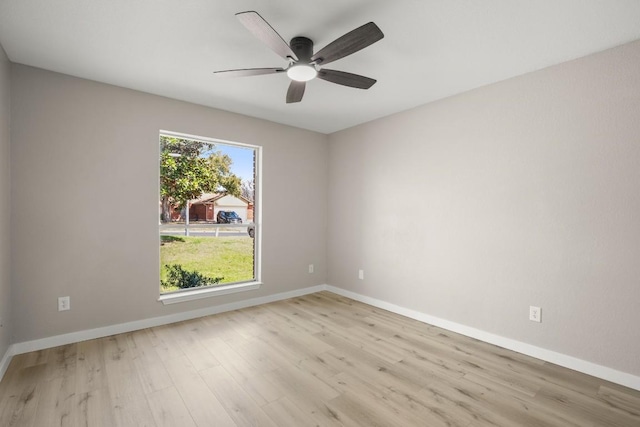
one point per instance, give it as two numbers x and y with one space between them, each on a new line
302 47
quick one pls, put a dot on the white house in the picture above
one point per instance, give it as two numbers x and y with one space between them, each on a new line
207 206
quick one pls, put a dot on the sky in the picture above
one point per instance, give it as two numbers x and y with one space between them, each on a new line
242 157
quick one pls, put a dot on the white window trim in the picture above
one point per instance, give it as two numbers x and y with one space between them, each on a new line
208 292
200 293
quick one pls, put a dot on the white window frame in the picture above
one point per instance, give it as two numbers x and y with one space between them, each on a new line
212 291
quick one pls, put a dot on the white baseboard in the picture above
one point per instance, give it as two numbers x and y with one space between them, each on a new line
73 337
603 372
564 360
6 359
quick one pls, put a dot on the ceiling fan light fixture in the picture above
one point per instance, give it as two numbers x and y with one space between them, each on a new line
302 72
303 64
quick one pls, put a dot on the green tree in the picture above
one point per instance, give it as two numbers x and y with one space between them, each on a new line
189 168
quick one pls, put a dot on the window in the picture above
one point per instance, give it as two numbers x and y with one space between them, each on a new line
209 217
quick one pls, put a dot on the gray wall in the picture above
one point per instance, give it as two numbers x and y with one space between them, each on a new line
85 201
526 192
5 192
470 209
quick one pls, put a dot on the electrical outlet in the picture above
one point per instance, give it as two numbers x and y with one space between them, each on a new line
535 314
310 268
361 274
64 303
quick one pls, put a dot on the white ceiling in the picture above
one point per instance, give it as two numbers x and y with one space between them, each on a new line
432 48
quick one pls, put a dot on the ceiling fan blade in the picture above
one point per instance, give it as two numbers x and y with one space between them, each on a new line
295 92
346 79
265 32
350 43
245 72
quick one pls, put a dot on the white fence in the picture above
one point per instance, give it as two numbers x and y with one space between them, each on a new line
182 229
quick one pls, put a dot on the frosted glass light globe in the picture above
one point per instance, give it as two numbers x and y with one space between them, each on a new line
302 73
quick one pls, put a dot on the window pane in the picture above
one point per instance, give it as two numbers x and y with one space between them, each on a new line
207 209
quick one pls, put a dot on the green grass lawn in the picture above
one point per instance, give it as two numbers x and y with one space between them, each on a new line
228 257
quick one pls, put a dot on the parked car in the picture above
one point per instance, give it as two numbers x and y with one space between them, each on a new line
228 217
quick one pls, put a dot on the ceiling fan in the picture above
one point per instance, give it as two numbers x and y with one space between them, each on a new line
304 65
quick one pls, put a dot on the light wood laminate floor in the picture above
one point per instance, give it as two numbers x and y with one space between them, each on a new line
317 360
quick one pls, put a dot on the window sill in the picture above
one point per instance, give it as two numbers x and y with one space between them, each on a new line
195 294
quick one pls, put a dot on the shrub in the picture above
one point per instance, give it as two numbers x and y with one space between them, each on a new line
183 279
